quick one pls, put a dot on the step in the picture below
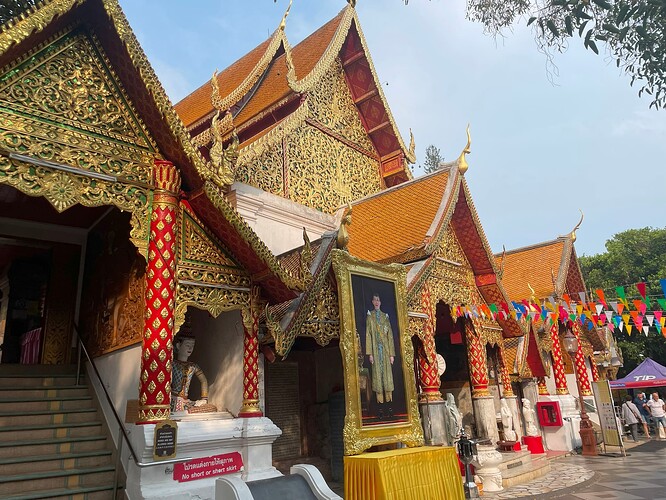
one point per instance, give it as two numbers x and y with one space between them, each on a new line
52 446
511 459
31 392
28 380
45 403
18 370
37 417
525 473
102 492
59 461
59 479
73 429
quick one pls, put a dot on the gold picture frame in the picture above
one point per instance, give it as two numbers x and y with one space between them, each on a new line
380 389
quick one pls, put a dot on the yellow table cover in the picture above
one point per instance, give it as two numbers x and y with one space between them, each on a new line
408 473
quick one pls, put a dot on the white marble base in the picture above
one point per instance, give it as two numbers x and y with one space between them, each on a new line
487 464
433 417
252 437
486 420
193 417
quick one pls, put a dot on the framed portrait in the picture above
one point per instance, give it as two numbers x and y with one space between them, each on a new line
377 355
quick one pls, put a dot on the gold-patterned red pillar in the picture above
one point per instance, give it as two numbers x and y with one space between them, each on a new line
157 348
542 387
428 374
250 314
561 387
594 369
504 374
581 369
477 362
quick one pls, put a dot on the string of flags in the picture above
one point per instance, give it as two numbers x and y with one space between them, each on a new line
639 314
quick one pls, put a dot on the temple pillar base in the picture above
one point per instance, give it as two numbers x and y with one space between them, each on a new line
433 417
252 437
485 417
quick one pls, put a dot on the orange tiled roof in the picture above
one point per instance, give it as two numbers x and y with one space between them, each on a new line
274 86
532 265
197 104
393 222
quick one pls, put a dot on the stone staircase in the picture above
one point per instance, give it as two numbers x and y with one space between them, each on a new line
522 467
53 443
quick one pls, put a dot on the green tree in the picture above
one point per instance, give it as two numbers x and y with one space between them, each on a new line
9 9
632 31
433 158
632 256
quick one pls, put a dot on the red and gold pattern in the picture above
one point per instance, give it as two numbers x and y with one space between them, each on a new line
504 374
594 369
476 359
250 406
157 349
541 386
581 369
428 375
561 387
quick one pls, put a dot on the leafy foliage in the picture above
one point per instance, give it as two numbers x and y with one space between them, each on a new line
632 256
433 158
633 31
10 9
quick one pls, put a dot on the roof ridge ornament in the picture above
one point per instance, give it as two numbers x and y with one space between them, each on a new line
343 234
222 160
412 143
352 3
572 234
283 23
500 273
462 161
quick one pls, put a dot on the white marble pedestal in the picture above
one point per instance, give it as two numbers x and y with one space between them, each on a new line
486 465
198 438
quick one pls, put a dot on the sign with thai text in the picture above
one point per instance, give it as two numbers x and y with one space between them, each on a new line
166 433
202 468
606 412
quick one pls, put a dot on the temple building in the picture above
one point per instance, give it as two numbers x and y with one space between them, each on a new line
197 243
548 274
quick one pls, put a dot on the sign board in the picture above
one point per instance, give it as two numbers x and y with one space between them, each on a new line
201 468
606 412
166 436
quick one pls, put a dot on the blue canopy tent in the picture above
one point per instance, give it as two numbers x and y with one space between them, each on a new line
648 374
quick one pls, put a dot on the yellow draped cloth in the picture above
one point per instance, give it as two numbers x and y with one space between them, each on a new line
427 472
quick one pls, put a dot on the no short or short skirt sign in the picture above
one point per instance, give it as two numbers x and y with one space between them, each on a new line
202 468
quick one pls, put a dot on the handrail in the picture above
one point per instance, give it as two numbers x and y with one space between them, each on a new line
81 346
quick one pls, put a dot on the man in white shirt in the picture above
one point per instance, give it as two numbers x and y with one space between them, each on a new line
657 411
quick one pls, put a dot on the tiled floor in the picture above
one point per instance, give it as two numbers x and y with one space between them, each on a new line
640 475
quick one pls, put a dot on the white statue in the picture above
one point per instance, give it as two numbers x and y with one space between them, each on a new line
507 422
453 419
182 372
530 418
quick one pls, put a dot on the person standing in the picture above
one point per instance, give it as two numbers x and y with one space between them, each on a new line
632 416
380 349
641 403
657 412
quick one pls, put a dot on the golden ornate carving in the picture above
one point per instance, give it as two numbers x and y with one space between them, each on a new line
222 160
323 317
213 300
305 260
462 160
264 171
343 233
356 437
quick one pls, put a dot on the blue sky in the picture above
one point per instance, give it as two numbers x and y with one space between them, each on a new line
542 148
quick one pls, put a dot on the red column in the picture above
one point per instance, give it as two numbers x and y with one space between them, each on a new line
476 361
541 386
594 369
428 375
558 364
581 369
504 374
250 406
156 351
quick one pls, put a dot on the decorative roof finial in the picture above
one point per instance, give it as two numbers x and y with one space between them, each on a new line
462 161
572 234
222 161
412 143
500 273
343 234
352 3
533 297
283 23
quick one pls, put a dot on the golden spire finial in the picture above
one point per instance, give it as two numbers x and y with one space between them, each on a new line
412 143
283 23
462 161
533 293
352 3
343 234
500 273
572 234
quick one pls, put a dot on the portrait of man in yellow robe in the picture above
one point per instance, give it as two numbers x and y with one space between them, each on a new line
380 349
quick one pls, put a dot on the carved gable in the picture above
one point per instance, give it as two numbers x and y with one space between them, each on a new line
62 102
